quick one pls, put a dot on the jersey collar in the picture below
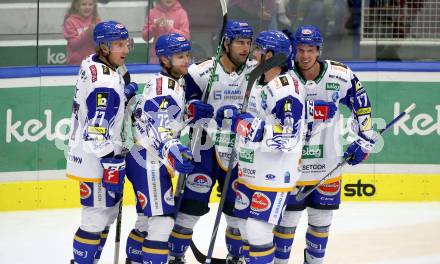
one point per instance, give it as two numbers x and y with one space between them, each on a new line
322 71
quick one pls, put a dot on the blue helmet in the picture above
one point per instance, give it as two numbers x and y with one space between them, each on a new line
109 31
172 43
308 35
238 29
275 41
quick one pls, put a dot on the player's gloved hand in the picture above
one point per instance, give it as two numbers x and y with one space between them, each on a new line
225 112
321 110
197 110
130 90
178 156
358 150
246 125
114 173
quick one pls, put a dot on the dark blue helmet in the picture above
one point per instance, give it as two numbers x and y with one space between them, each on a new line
275 41
108 31
237 29
172 43
308 35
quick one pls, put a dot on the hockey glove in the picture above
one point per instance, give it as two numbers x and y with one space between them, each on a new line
176 155
114 173
130 90
197 110
225 112
248 126
320 110
358 150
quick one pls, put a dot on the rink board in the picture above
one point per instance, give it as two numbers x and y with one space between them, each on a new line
35 105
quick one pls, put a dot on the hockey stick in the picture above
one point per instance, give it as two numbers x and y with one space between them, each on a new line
277 60
302 195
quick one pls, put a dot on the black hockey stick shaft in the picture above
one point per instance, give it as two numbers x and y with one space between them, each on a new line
196 135
302 195
277 60
118 232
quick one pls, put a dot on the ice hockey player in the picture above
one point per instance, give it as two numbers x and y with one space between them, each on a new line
226 97
95 143
158 151
332 81
270 132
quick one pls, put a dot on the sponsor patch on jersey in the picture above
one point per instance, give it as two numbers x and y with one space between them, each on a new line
335 96
332 86
102 100
105 70
284 80
215 78
94 73
168 197
313 152
159 86
364 122
358 85
142 199
241 201
199 182
270 177
363 111
296 85
330 188
96 130
260 202
84 190
321 113
171 84
246 155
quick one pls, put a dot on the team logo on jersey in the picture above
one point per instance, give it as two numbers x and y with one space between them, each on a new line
284 80
164 104
142 199
246 155
330 188
94 73
313 152
171 84
260 202
365 122
332 86
105 70
198 182
217 95
241 201
84 190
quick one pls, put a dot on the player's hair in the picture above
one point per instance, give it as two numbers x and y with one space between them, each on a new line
74 9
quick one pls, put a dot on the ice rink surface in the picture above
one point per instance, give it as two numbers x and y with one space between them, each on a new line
370 233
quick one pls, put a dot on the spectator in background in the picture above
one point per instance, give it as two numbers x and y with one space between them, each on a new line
168 16
79 23
257 13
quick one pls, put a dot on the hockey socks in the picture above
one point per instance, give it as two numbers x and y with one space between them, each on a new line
104 236
261 254
316 240
179 241
233 241
85 246
133 248
154 252
283 240
245 252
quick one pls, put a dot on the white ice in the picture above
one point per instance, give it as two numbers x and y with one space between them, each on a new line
370 233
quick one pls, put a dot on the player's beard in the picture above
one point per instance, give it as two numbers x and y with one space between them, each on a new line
236 60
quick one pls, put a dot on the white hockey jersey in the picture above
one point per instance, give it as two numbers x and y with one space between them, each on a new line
97 118
273 163
323 150
161 105
227 89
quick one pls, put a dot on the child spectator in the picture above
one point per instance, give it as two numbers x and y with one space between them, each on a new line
168 16
78 27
